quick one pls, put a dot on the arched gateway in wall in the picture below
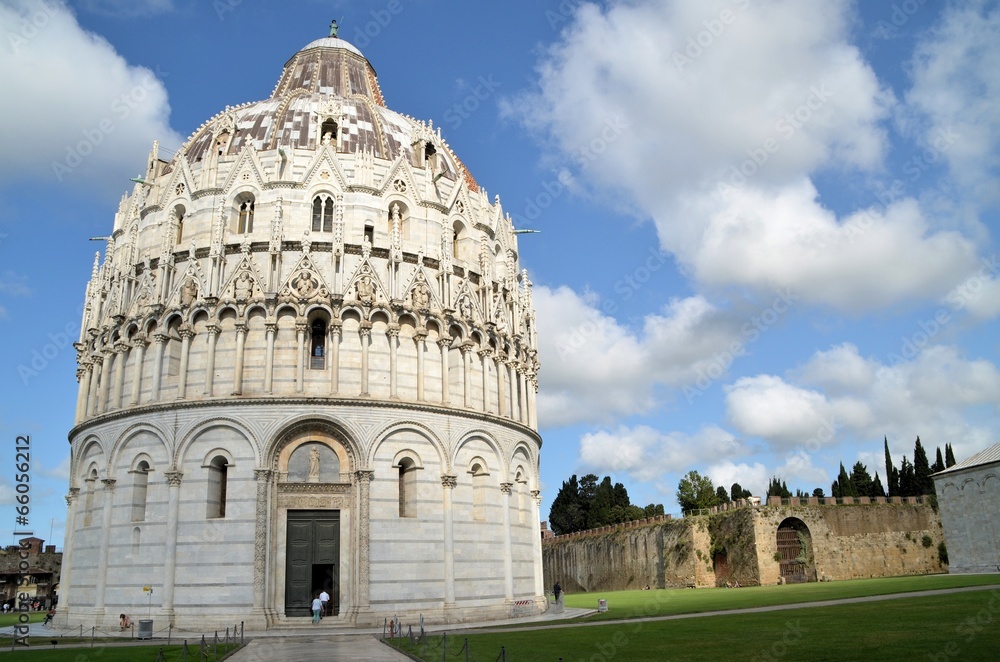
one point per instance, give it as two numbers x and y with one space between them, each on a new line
307 360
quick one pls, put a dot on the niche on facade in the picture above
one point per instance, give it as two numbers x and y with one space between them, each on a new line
313 458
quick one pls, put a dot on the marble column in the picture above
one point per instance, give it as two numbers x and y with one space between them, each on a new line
139 348
102 557
96 361
335 332
300 355
532 403
420 338
484 355
161 344
501 385
187 333
448 483
466 349
508 555
444 344
213 338
121 349
270 328
65 573
83 392
263 478
365 331
363 479
536 499
170 552
105 385
522 396
393 335
241 340
512 384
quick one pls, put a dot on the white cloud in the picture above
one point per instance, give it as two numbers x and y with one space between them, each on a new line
128 8
647 454
956 91
85 116
772 87
936 396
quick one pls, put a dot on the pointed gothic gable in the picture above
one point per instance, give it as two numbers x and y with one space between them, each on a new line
304 282
467 303
420 292
365 286
459 202
192 271
248 163
244 284
400 180
143 296
179 177
325 163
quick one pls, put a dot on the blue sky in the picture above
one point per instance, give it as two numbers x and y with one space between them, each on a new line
767 227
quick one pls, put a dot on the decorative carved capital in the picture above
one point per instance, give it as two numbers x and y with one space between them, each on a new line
96 359
262 475
121 347
364 475
109 483
393 330
271 327
485 353
213 328
537 496
506 488
174 477
161 338
444 342
449 480
365 331
241 326
187 331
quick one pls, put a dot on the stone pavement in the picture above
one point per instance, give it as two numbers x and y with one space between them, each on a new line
346 648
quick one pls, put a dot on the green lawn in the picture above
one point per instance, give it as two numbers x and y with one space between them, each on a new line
7 620
630 604
147 653
948 627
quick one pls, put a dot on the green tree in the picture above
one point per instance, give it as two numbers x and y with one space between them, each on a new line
923 483
777 487
907 479
818 492
600 511
722 496
621 496
844 486
737 492
861 480
891 474
938 461
588 488
567 514
876 489
949 456
653 510
695 491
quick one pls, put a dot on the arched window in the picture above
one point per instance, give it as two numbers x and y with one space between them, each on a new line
521 485
317 345
407 481
136 533
140 481
322 220
370 233
218 477
245 222
179 211
328 133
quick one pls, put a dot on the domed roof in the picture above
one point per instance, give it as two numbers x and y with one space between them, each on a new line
329 80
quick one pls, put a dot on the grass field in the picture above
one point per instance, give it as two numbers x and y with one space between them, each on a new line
144 653
7 620
901 628
947 627
629 604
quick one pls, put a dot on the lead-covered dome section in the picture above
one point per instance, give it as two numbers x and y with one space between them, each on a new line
328 91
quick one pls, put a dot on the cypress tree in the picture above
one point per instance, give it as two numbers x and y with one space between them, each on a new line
876 489
891 474
938 462
861 480
907 479
923 484
949 456
567 514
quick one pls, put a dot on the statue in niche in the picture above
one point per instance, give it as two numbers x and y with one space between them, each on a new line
243 286
365 287
305 285
313 465
465 307
189 292
420 296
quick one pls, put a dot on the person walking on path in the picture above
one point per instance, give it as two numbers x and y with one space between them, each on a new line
324 598
317 607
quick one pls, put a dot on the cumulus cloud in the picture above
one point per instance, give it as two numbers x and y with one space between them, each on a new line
956 91
596 369
730 110
935 395
87 117
647 454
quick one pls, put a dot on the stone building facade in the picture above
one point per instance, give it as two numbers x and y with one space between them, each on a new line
789 541
969 498
307 360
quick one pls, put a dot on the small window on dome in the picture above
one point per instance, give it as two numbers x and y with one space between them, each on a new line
328 133
322 218
370 234
245 224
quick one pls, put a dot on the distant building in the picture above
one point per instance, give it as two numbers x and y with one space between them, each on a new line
968 494
44 566
547 532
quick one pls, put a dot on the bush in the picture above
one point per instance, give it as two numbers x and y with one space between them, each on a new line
943 553
927 540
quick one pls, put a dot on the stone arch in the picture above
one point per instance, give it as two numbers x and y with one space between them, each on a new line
489 440
522 450
130 433
311 428
797 563
410 426
83 454
180 453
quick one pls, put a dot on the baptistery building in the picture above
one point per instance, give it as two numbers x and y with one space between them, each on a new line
307 362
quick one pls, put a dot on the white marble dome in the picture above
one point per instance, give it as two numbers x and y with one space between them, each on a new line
307 361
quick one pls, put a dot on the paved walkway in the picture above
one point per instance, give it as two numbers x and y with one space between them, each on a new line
338 648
